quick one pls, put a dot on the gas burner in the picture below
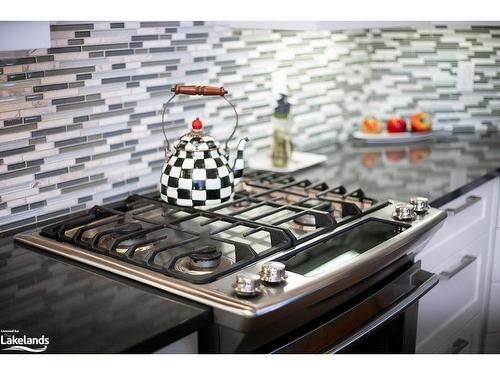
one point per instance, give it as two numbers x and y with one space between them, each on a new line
204 261
205 257
307 222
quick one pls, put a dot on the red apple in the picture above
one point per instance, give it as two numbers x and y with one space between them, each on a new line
371 125
421 122
396 125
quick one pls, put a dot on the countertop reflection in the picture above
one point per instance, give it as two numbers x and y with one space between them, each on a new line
438 169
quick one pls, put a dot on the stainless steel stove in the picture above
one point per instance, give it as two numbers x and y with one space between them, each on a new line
279 247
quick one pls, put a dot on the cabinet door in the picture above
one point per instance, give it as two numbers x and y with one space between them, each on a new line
472 218
456 299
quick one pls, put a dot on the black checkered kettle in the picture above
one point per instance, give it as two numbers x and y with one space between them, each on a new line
197 172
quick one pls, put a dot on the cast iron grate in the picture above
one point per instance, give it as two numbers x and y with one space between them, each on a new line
141 229
272 212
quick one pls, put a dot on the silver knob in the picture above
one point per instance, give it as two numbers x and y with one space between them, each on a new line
273 272
420 204
247 285
404 211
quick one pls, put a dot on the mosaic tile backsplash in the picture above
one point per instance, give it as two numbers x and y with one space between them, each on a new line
80 122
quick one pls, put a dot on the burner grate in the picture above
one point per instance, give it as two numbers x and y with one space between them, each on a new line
156 235
271 212
265 194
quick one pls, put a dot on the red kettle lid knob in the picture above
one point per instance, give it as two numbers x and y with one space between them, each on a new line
197 124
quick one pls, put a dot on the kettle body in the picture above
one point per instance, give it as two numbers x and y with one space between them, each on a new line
197 172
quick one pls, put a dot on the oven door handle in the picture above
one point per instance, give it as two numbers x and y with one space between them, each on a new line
390 313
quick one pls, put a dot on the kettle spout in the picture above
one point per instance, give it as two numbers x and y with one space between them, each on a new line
239 162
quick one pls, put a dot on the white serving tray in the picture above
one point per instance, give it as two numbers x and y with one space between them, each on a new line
298 161
384 137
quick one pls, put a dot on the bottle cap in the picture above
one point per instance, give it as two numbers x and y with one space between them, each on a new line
283 108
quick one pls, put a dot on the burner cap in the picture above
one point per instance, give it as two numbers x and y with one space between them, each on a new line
205 257
129 228
305 220
308 220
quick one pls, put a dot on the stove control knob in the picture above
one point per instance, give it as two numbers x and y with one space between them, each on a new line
273 273
420 204
247 285
404 211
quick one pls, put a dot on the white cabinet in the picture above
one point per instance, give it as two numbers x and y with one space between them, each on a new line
469 216
451 316
456 299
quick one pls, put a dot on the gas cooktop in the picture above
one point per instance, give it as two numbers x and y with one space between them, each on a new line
279 242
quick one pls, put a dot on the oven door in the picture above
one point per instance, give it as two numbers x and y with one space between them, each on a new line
380 320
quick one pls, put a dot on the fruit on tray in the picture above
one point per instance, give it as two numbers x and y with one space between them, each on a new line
421 122
396 125
371 125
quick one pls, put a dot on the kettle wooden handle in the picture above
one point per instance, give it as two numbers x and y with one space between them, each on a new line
199 90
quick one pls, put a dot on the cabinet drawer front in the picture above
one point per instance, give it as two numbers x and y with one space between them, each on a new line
461 228
456 299
466 341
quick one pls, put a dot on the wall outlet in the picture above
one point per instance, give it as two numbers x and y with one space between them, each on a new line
465 76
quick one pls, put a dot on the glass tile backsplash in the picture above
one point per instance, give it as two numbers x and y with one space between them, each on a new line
80 121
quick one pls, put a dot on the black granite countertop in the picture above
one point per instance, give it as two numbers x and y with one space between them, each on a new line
82 310
441 169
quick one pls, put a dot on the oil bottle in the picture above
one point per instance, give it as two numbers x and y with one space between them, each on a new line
281 150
